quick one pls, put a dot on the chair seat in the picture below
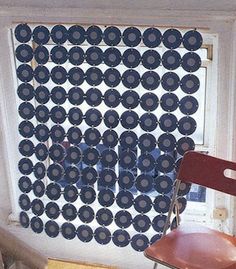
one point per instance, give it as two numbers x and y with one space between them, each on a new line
192 246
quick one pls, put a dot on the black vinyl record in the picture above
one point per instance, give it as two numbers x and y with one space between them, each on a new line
123 219
76 56
74 135
41 74
26 148
141 223
190 84
166 142
41 55
104 217
172 38
87 195
152 37
129 119
94 76
52 210
57 133
94 35
51 228
76 76
76 96
112 36
90 156
128 139
121 238
59 34
55 171
58 75
94 56
139 242
162 203
151 59
69 212
92 137
187 125
150 80
191 62
59 54
109 158
70 193
130 99
25 92
144 182
171 59
126 180
53 191
42 132
41 152
42 94
169 102
86 214
112 57
111 118
165 163
124 199
112 98
42 113
68 231
76 34
25 73
132 36
58 114
163 184
168 122
26 129
146 162
143 204
102 235
147 142
110 138
93 97
188 105
25 184
93 117
131 58
75 116
131 79
41 35
112 77
23 33
36 225
38 188
192 40
127 159
39 170
149 101
170 81
106 197
24 53
85 233
58 95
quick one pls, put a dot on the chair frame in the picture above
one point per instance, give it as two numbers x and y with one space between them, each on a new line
222 184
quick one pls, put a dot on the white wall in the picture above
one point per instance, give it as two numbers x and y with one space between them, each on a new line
219 22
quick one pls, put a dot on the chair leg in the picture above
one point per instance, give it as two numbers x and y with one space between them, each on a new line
155 265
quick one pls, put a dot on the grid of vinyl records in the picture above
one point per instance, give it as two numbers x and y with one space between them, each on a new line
104 121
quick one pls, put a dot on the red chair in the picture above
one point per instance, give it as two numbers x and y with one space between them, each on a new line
193 246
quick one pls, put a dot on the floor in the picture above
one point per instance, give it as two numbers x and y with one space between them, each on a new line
56 264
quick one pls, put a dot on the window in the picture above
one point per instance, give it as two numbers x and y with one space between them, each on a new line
109 120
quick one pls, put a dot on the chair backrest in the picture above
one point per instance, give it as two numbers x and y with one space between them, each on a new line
207 171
